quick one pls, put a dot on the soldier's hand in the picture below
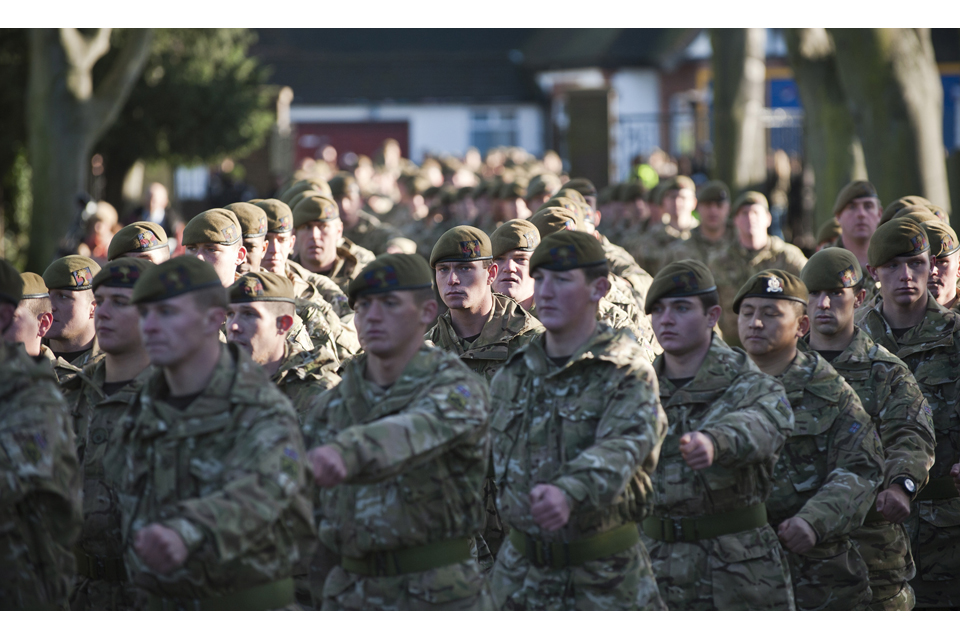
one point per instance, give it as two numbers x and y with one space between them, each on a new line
796 535
329 469
549 507
955 472
894 504
161 548
697 450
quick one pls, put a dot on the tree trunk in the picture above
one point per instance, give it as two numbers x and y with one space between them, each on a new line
893 87
739 91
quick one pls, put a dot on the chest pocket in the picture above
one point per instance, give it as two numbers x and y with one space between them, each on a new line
579 417
806 451
191 460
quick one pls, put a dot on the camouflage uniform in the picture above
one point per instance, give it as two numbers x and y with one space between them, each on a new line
416 455
650 249
313 287
932 352
698 247
351 258
889 393
40 503
304 375
371 234
67 371
226 473
827 474
593 428
622 264
745 413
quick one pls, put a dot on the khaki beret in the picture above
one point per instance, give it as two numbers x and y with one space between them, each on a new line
72 273
297 199
279 215
572 194
831 268
943 239
514 235
512 190
262 286
582 186
566 250
122 272
543 184
341 185
316 208
898 237
713 191
578 208
391 272
675 184
255 200
772 283
748 198
553 219
137 237
304 185
176 277
462 244
917 216
678 280
33 286
11 284
829 231
253 219
218 226
402 245
891 209
854 190
940 212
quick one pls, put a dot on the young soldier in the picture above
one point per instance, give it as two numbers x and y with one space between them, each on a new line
926 336
828 472
678 197
577 430
214 236
33 317
144 240
857 211
945 247
72 336
728 422
889 393
403 452
322 249
513 242
40 504
209 471
714 234
253 230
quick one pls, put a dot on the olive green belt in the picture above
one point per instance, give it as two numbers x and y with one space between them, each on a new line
703 527
99 567
939 489
263 597
411 560
559 555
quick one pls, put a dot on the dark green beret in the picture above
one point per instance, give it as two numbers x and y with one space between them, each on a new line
316 208
828 231
122 272
630 191
678 280
514 235
917 212
72 273
831 268
566 250
898 237
772 283
748 198
253 219
462 244
582 186
11 284
33 286
677 183
655 194
183 274
341 185
511 190
553 219
304 185
137 237
895 206
854 190
219 226
279 215
943 239
262 286
297 199
391 272
713 191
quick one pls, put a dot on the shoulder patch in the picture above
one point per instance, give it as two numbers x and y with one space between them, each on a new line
854 427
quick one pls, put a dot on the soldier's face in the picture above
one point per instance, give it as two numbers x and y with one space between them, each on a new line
390 323
752 221
769 325
903 280
28 326
176 329
682 325
513 275
943 278
859 219
464 285
679 202
713 215
565 300
116 321
275 252
224 258
72 313
317 242
255 248
831 312
255 328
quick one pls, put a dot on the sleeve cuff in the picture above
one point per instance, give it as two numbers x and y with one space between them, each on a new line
191 534
576 493
350 459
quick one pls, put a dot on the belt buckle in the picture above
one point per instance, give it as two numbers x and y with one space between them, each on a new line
677 530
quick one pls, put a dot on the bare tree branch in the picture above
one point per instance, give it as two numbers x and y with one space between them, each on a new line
82 53
113 91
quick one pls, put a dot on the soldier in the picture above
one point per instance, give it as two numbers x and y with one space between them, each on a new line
209 464
828 233
573 512
857 211
103 392
678 197
33 317
889 393
728 423
321 247
253 230
512 244
828 472
72 337
914 327
40 501
714 234
145 240
214 236
403 448
359 226
945 247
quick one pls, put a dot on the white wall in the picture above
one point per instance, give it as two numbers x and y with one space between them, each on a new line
636 93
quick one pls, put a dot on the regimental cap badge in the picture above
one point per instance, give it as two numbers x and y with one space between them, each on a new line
920 243
124 274
147 240
848 277
470 249
774 285
382 278
82 277
176 279
262 229
685 282
564 256
285 224
531 240
229 233
252 288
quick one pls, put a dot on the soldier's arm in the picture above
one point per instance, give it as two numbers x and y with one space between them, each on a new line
906 430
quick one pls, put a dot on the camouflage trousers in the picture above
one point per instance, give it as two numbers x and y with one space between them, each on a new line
621 582
885 549
934 529
735 572
106 595
830 577
494 532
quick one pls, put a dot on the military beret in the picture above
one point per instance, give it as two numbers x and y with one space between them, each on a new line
462 244
262 286
297 199
748 198
279 215
831 268
33 286
895 206
512 190
940 212
943 239
916 212
122 272
828 231
677 183
582 186
218 226
11 284
514 235
253 219
713 191
678 280
899 237
579 209
566 250
574 195
315 209
401 245
255 200
772 283
391 272
138 237
73 273
543 184
304 185
341 185
553 219
176 277
654 195
854 190
630 191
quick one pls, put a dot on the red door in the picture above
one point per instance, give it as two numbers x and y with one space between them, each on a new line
362 138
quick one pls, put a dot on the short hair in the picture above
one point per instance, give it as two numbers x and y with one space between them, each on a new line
596 271
211 297
422 295
278 308
36 306
799 307
709 299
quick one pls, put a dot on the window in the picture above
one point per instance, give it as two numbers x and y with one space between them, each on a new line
491 128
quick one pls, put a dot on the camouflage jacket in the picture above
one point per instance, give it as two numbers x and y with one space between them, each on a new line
40 502
832 465
744 412
67 371
592 427
313 287
621 294
351 258
226 473
508 328
650 249
622 264
416 455
698 247
304 375
371 234
324 327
